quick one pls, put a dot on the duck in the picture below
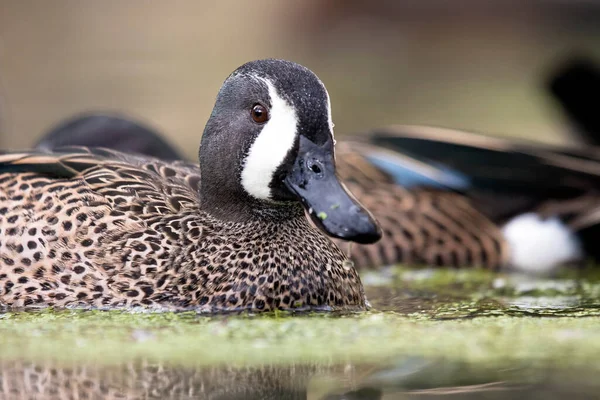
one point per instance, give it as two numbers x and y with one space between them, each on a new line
451 198
542 200
95 227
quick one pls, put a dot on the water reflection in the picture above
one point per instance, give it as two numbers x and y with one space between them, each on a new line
403 379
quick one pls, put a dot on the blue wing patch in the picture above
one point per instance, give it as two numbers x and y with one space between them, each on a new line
409 172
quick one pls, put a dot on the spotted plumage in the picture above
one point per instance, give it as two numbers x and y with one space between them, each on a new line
424 226
485 201
464 205
94 227
421 226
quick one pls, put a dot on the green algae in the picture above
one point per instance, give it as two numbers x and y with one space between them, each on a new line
109 337
474 317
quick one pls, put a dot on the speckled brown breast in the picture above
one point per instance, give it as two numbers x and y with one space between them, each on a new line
108 230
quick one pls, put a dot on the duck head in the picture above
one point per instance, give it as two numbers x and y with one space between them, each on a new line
269 143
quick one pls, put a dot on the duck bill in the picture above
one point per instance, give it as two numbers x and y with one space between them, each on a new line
331 207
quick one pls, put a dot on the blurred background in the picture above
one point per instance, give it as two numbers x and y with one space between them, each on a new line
480 65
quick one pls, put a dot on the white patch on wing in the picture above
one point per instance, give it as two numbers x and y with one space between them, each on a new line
270 147
539 246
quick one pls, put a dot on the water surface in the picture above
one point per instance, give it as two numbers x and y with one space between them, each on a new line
431 334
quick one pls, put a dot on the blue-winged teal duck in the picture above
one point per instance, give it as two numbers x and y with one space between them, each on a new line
451 198
543 201
85 227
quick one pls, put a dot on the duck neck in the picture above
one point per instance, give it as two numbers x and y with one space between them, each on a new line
238 206
221 192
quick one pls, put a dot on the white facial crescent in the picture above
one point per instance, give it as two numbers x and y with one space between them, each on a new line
271 146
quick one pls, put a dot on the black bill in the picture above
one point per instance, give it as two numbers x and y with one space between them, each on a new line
331 207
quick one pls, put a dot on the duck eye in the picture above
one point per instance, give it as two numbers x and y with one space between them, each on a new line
259 113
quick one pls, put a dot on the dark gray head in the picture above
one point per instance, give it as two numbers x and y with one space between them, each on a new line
108 130
269 142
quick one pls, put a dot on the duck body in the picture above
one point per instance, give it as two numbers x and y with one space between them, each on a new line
93 227
494 202
425 221
124 234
